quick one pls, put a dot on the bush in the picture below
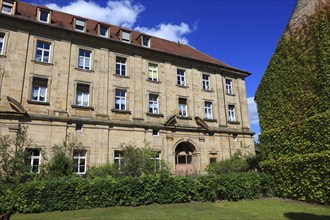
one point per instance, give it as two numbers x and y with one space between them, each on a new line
235 164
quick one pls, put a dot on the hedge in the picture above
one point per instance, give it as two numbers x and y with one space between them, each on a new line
70 193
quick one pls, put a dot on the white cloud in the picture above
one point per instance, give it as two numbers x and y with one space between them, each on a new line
121 13
254 119
169 31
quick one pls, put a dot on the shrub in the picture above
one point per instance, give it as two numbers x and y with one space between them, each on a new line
235 164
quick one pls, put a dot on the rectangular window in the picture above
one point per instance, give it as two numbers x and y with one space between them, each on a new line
7 7
206 82
44 16
153 72
39 89
153 104
231 113
121 66
2 43
79 160
125 36
120 102
157 161
181 77
43 51
84 61
208 110
104 31
183 107
145 41
229 86
80 25
118 158
155 132
82 96
79 126
34 160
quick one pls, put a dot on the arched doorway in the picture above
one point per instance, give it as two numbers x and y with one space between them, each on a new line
184 160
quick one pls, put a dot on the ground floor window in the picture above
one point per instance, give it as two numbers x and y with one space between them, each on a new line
79 159
157 161
118 158
34 160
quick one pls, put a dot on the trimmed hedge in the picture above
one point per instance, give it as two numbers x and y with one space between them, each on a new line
69 193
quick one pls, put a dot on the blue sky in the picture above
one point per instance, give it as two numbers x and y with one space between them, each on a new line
241 33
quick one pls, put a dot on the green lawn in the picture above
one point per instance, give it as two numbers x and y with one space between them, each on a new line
249 209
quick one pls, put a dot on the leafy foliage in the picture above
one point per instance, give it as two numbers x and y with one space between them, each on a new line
235 164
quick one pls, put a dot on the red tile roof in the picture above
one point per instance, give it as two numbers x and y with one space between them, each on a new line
65 21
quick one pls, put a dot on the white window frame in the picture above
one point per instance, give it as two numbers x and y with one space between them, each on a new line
231 113
206 82
41 48
2 43
80 23
157 160
82 96
154 103
181 77
153 72
208 110
121 67
84 59
9 5
43 11
34 157
118 158
39 91
229 86
79 159
106 35
122 104
183 108
124 35
146 39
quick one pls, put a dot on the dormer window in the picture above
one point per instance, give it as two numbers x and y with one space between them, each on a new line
80 25
145 41
125 36
43 16
104 31
7 7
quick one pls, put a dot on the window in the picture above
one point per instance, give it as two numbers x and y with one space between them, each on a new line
231 113
229 86
145 41
39 89
2 43
208 110
153 72
206 82
118 158
155 132
121 66
34 160
120 99
157 161
80 25
79 126
79 160
153 104
84 61
44 16
82 97
104 31
181 77
183 107
43 51
7 7
213 157
125 36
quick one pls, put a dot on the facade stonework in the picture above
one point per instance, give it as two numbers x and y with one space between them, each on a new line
57 82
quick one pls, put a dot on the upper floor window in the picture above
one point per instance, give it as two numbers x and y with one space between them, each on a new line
82 95
2 43
80 25
206 82
104 31
153 72
183 107
208 110
229 86
153 104
231 113
79 160
120 102
7 7
39 89
34 160
125 36
43 51
44 15
84 61
181 79
121 66
145 41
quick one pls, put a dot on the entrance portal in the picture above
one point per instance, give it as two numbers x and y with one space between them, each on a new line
184 159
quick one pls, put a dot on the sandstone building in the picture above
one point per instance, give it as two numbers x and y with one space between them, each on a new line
62 74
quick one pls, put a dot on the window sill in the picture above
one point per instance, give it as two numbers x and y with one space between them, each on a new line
184 117
234 122
2 56
84 70
182 86
37 102
121 111
207 90
158 115
83 107
209 120
153 81
42 63
230 94
121 76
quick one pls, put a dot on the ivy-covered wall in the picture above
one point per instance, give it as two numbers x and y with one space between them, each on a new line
293 102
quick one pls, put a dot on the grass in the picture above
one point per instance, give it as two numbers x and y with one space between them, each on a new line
248 209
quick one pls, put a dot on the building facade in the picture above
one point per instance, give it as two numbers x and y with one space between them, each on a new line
63 75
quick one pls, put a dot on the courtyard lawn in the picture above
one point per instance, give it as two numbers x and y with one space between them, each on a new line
274 208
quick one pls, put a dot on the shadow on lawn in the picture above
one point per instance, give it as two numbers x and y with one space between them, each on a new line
305 216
